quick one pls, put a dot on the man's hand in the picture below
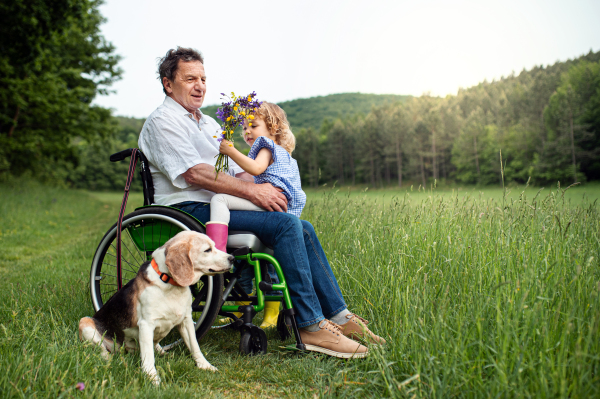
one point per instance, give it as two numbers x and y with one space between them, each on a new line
268 197
264 195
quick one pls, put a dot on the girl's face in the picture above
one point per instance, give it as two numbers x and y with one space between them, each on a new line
258 128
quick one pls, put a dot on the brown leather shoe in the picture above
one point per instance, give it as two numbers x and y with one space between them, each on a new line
356 327
330 340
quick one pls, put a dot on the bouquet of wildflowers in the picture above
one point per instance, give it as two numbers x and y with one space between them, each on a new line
234 113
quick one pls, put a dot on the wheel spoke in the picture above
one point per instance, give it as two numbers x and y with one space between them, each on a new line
108 292
139 259
124 269
142 260
123 260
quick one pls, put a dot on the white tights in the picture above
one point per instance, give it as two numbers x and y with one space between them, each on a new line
221 204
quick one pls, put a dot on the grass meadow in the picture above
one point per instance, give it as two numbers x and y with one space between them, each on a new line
479 292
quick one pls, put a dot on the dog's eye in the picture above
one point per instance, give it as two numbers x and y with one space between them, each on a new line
208 250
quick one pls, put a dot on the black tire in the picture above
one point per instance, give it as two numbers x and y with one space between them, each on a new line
142 232
253 342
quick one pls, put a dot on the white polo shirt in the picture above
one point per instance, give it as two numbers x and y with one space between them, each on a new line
173 142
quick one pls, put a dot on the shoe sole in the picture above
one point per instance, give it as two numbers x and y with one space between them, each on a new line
340 355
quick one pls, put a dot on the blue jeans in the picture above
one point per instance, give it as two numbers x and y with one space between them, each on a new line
313 287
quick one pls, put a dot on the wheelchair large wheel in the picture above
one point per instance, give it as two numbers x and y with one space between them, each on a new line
143 231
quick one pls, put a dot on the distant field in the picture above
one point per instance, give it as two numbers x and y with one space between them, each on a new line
573 196
478 295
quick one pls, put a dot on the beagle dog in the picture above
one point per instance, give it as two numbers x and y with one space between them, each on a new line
157 299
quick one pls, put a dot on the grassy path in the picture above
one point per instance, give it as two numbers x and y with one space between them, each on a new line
478 296
47 241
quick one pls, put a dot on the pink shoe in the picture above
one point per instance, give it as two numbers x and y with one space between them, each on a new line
218 233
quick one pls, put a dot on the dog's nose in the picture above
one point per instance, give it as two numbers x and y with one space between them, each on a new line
231 258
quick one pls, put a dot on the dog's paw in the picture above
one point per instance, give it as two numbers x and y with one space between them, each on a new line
155 379
106 355
207 366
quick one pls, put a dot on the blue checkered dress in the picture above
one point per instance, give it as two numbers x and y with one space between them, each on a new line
282 173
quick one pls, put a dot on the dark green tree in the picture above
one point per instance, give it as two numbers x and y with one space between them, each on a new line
399 128
307 156
568 111
467 149
53 62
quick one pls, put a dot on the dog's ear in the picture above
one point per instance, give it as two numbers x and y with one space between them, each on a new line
179 263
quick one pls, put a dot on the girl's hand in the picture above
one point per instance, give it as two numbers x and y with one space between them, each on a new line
226 147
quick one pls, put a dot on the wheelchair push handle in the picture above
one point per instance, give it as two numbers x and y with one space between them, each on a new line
121 155
147 185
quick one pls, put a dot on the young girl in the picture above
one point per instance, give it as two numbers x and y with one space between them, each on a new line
269 161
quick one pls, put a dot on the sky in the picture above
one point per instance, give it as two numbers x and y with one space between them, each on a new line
285 50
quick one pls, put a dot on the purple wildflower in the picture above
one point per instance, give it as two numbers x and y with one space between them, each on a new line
80 386
230 113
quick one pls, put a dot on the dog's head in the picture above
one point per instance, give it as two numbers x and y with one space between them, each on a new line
189 255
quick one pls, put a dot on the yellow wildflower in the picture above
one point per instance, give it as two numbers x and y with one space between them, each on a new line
231 145
250 124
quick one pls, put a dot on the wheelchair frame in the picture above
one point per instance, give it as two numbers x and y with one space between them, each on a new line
253 339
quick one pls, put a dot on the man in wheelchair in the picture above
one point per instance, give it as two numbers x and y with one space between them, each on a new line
178 141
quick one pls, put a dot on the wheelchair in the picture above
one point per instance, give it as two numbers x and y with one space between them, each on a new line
149 227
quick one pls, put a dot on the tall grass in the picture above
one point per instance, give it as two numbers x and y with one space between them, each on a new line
477 296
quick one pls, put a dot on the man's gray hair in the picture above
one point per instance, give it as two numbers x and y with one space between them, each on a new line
167 65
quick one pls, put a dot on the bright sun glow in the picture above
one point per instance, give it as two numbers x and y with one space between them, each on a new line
311 48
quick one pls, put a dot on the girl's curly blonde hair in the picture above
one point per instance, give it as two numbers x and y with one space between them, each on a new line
278 125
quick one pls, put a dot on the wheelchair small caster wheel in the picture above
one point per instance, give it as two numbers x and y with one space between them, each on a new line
253 342
283 326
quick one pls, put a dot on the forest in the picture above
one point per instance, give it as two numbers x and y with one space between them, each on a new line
541 125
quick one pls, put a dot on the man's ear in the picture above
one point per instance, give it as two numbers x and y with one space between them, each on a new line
167 85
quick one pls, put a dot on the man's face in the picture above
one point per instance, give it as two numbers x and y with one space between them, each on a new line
188 86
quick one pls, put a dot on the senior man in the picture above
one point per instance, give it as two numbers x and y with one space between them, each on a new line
179 142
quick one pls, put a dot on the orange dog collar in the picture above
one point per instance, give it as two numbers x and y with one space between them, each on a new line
165 278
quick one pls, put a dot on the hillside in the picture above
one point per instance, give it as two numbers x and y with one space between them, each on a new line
310 112
307 112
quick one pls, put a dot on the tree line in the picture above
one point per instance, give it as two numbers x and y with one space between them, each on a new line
541 125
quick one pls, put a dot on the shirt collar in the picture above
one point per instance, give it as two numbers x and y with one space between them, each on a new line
175 106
